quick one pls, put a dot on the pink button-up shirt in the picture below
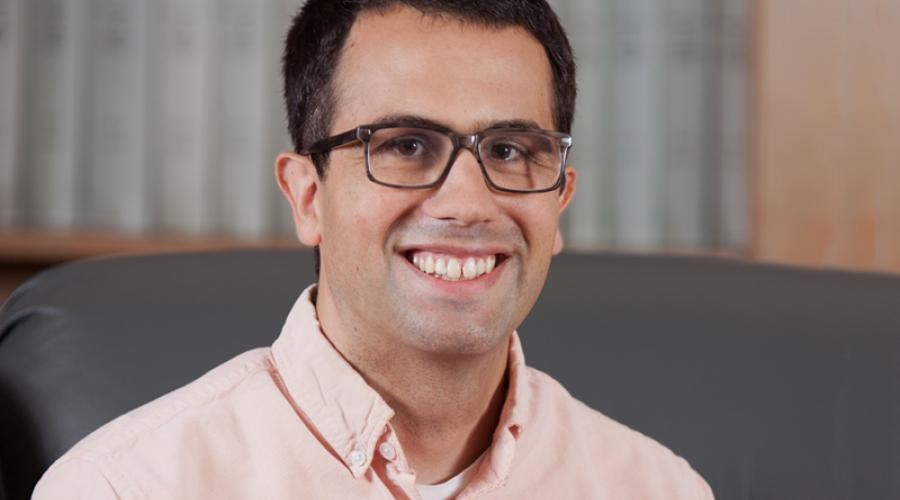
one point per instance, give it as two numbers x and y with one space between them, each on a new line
297 421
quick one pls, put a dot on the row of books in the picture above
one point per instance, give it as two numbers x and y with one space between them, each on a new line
166 115
661 125
142 115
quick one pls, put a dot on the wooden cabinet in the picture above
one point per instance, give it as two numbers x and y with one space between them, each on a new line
827 133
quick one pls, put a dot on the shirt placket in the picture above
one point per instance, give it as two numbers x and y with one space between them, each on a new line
393 467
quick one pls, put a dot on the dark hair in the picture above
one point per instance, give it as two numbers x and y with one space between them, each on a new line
318 33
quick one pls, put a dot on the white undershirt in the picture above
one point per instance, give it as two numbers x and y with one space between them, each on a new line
451 487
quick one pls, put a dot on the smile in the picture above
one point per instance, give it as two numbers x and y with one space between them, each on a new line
454 267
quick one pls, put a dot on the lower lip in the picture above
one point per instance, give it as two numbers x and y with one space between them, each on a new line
462 287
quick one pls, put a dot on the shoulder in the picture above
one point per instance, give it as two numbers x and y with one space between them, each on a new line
197 411
622 455
550 401
76 479
208 393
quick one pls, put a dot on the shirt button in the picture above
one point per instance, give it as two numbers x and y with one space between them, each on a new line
357 458
387 451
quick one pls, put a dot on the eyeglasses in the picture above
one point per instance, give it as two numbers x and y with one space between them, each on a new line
417 157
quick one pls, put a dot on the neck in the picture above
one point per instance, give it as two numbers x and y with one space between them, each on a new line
446 420
446 406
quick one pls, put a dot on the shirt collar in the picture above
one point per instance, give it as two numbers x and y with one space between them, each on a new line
348 413
515 409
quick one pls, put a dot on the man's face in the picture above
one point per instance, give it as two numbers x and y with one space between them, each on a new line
466 78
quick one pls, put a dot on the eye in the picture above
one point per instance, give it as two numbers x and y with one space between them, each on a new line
505 151
407 146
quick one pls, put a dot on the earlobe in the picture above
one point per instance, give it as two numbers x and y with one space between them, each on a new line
299 183
557 243
565 197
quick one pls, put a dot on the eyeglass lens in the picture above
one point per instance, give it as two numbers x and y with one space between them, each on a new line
519 160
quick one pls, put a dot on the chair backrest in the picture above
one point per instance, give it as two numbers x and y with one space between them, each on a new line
773 382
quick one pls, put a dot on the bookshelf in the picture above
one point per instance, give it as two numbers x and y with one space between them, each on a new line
797 146
136 126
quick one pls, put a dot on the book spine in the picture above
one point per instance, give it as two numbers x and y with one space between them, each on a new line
688 196
53 111
635 122
242 157
114 163
11 24
589 223
181 130
733 195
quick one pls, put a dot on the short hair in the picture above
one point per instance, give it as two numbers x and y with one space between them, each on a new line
319 31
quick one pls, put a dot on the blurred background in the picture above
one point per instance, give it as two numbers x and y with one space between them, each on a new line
759 129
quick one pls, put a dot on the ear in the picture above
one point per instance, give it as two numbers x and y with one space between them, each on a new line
564 199
300 184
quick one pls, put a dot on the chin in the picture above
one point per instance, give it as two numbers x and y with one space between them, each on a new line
453 338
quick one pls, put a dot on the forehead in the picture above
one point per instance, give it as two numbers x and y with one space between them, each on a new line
463 75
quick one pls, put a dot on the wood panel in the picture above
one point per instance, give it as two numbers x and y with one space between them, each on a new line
827 133
35 247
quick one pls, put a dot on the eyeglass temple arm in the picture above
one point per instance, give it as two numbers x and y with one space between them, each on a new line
326 145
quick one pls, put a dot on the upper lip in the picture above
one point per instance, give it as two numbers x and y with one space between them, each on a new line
473 250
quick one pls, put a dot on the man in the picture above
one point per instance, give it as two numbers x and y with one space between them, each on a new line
431 179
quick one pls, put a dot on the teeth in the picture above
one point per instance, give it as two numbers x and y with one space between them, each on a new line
470 269
452 268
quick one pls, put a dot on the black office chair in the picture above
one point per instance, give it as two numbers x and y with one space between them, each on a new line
774 382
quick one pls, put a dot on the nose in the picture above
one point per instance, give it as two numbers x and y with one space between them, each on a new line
464 197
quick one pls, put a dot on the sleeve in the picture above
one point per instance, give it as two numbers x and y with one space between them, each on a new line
74 479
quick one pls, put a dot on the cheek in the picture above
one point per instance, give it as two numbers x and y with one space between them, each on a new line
347 220
358 219
341 217
539 223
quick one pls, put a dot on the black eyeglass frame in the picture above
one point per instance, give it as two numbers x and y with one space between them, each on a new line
471 142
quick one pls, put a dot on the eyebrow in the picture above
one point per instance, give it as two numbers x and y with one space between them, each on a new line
416 121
